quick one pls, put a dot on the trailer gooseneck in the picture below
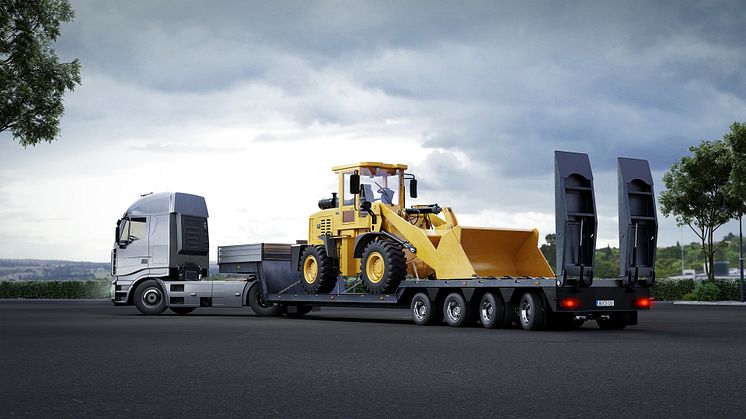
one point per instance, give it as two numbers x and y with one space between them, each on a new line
367 249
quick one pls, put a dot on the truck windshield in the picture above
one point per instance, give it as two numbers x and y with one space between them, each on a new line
378 184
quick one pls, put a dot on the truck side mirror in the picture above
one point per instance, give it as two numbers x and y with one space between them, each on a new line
413 188
355 184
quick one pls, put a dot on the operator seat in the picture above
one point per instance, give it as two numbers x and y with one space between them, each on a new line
366 193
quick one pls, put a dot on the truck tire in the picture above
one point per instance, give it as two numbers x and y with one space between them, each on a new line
182 310
492 311
318 271
531 312
383 266
424 311
456 310
259 306
149 298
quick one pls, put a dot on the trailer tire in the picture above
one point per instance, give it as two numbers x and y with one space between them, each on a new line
259 306
424 311
383 266
492 311
456 310
182 310
149 298
318 270
531 312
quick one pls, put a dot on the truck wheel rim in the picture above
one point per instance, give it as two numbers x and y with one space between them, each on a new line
453 310
310 270
526 312
420 309
375 267
152 297
488 311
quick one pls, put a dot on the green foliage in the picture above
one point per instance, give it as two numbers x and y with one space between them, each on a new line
32 78
55 289
549 250
696 189
706 291
606 264
689 297
666 289
736 140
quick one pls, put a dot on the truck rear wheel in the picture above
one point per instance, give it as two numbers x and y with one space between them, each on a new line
383 266
455 310
149 298
318 271
182 310
259 306
531 312
424 311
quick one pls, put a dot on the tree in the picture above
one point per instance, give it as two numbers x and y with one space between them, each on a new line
550 249
696 188
736 140
32 79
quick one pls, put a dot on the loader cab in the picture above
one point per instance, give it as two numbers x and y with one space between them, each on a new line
371 182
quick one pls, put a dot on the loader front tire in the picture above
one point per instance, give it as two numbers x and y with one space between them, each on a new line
318 270
383 266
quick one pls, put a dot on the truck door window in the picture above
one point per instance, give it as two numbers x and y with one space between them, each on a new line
124 231
137 229
348 198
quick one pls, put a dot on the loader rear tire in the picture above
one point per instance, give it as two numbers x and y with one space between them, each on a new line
383 266
424 311
318 271
531 312
149 298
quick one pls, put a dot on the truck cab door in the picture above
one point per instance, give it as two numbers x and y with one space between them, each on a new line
132 250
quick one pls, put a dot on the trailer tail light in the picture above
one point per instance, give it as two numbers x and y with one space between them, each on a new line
643 302
569 303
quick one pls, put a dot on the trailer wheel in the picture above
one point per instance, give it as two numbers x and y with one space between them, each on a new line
149 298
318 271
616 321
492 312
383 266
259 306
182 310
455 309
424 312
531 312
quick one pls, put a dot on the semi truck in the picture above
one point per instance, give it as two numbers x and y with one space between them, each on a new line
366 248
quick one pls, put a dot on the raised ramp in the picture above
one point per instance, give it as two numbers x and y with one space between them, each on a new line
638 222
576 221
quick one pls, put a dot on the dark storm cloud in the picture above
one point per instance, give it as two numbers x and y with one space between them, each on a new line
504 82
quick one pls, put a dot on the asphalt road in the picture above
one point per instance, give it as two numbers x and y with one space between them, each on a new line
76 359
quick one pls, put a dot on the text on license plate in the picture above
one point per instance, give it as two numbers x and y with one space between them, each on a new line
604 303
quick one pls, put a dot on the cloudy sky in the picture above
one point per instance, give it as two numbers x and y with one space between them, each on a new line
250 104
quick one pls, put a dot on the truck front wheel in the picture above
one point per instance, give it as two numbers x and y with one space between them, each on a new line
261 307
149 298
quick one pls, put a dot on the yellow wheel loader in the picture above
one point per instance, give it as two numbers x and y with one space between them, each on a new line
366 230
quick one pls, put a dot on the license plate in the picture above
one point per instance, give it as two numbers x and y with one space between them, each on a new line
604 303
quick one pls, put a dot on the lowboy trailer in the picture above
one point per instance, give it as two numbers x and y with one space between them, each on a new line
160 257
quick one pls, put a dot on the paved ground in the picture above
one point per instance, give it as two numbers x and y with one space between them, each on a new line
76 359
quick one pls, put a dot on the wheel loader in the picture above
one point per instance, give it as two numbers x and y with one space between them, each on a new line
365 230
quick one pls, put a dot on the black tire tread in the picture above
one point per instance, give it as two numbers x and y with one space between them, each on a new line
327 270
396 266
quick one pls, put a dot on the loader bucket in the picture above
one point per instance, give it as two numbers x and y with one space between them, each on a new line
503 252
